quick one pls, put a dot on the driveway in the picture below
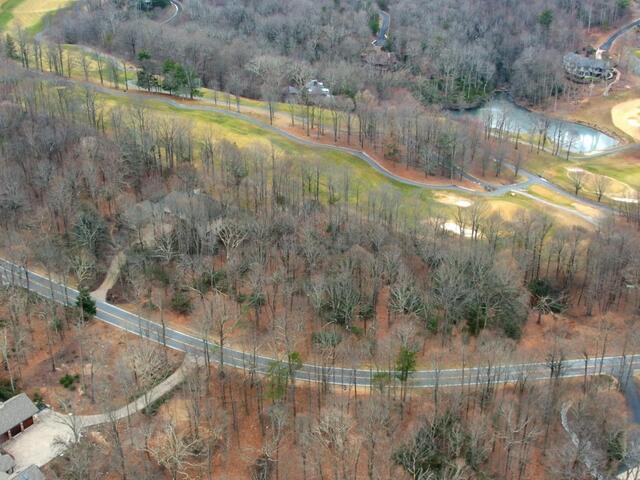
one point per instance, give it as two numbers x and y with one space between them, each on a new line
42 442
38 444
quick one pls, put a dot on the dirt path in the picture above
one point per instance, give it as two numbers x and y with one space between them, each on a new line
615 80
111 277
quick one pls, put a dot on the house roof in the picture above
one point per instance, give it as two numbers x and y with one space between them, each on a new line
580 61
315 87
6 463
184 204
16 410
32 472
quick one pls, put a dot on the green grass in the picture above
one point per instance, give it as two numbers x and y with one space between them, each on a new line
623 169
364 179
30 14
550 196
560 217
331 162
6 12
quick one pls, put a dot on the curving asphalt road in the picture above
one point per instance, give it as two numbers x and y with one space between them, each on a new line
383 31
11 274
490 190
608 43
177 6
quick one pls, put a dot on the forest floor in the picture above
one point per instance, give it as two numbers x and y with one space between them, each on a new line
241 433
245 134
101 345
572 332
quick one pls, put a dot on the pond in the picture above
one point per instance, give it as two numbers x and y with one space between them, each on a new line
503 113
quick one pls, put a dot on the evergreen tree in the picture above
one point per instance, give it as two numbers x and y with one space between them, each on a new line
86 304
10 48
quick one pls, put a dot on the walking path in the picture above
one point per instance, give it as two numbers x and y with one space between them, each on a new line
491 190
47 438
112 276
583 448
157 392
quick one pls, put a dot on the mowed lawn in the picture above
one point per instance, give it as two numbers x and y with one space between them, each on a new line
416 203
28 14
332 163
623 169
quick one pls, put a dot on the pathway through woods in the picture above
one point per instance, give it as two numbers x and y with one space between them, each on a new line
53 431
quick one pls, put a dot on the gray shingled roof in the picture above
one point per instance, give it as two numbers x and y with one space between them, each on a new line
32 472
16 410
580 61
6 463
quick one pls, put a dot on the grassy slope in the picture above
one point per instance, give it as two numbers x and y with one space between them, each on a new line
244 134
414 201
29 14
6 11
596 111
624 170
366 180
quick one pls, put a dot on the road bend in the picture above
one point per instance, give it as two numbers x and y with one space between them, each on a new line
619 366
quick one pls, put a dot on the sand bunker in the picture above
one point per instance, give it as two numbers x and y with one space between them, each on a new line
626 116
455 228
624 199
454 200
615 189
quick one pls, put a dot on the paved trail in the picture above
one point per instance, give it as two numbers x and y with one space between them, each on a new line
47 438
490 190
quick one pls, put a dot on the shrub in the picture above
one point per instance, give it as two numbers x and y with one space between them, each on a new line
217 280
38 400
6 392
541 288
367 311
181 302
356 330
67 381
159 274
257 299
151 409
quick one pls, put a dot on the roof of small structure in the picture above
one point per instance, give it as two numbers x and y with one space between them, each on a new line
16 410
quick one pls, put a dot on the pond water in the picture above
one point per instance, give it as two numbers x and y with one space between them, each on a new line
501 110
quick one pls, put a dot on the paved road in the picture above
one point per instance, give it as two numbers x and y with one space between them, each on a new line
177 10
606 46
362 377
383 31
